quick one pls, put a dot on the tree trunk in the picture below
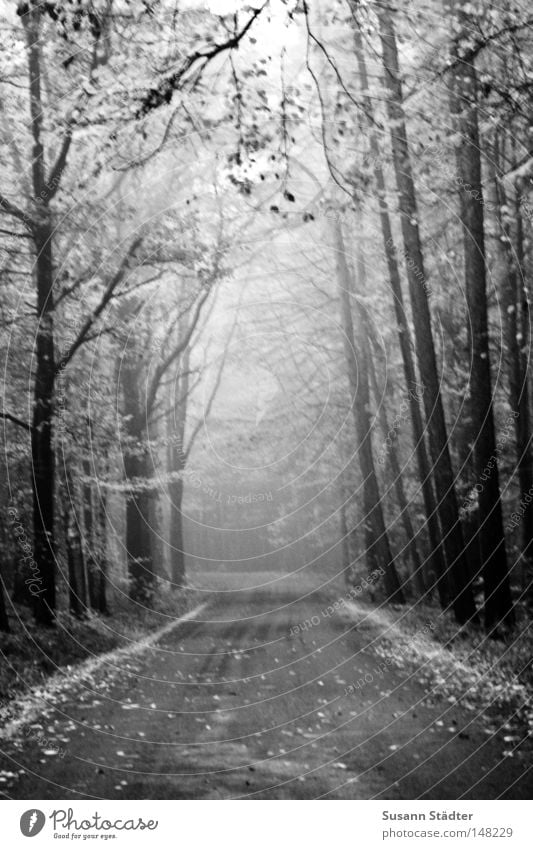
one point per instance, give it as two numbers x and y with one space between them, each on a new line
364 325
77 603
508 246
508 250
412 548
177 463
136 468
457 566
102 605
42 452
89 547
4 620
21 594
177 555
348 536
436 560
463 97
525 456
346 555
138 531
378 550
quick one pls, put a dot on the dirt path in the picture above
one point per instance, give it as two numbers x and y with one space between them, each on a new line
234 705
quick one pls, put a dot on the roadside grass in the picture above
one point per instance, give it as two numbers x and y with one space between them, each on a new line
458 665
30 654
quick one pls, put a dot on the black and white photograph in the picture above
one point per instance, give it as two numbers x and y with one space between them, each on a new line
266 419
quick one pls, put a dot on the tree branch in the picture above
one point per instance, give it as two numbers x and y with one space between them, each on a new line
174 354
13 210
54 180
17 421
163 93
106 297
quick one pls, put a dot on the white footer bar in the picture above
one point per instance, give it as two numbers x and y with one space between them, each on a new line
268 824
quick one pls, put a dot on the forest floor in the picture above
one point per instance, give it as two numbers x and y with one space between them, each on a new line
246 700
31 654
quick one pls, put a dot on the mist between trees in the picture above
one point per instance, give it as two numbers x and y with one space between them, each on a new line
208 304
224 497
366 584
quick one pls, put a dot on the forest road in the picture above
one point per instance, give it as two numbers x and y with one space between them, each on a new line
232 705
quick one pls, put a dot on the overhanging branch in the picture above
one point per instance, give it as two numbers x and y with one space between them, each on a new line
162 94
15 420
